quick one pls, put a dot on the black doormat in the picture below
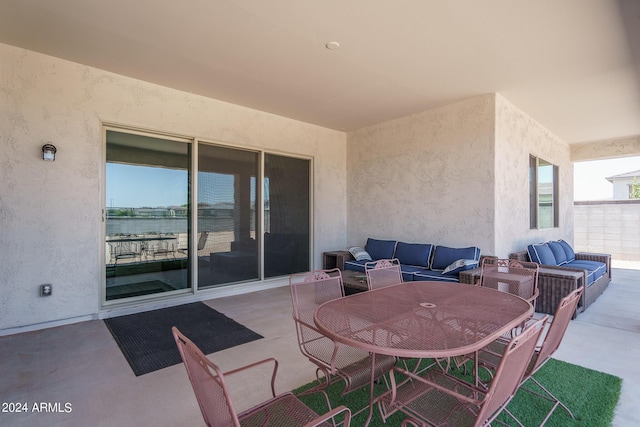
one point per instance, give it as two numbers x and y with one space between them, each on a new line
137 289
147 343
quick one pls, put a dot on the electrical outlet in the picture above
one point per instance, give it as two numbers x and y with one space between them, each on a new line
46 290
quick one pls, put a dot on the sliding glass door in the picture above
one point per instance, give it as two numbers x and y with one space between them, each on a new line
286 212
242 231
146 216
227 221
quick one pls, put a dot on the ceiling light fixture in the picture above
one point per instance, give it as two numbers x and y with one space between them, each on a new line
332 45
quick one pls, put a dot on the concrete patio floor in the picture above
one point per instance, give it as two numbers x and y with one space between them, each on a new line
83 379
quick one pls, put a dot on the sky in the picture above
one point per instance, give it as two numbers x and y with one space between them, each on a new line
134 186
139 186
589 177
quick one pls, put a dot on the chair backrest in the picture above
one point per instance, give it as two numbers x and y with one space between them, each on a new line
512 276
308 291
509 373
208 384
202 240
557 329
311 289
383 273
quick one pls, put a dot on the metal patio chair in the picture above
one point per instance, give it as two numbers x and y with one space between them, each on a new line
334 361
489 357
165 246
183 242
213 397
126 247
437 398
508 275
383 273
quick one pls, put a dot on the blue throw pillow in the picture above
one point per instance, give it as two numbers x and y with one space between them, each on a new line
541 254
568 250
558 252
443 256
380 249
413 253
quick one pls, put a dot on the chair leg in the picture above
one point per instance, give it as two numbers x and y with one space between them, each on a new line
324 381
506 411
548 396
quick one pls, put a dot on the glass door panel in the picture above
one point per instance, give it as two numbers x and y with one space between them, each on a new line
147 215
286 213
227 222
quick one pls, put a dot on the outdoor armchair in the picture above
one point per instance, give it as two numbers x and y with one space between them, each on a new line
513 276
217 408
334 361
383 272
436 398
489 358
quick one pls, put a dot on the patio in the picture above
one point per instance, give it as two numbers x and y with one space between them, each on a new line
81 364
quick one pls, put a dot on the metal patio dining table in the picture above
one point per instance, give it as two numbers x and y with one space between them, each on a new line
421 320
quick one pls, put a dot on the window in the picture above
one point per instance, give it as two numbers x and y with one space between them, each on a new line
543 193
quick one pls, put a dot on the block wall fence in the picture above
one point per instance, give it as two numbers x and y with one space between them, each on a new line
611 226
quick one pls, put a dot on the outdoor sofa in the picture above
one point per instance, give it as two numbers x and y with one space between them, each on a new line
418 261
563 270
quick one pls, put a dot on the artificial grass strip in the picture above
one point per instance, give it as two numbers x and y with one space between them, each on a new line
591 395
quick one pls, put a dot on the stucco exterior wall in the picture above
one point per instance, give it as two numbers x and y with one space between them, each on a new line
50 212
425 178
606 149
456 176
518 136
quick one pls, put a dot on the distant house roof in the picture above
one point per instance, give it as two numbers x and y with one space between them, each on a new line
624 175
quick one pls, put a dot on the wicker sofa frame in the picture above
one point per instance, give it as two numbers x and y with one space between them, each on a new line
556 282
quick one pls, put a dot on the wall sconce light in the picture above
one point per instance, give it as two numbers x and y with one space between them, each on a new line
49 152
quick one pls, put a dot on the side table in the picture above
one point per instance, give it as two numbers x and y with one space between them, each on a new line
470 277
354 282
335 259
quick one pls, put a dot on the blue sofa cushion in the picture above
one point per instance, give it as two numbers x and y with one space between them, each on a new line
595 269
408 271
568 250
558 252
355 265
443 256
541 254
414 254
380 249
435 276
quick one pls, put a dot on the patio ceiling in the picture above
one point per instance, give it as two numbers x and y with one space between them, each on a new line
573 65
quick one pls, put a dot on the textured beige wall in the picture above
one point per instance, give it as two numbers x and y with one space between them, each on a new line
518 136
50 224
455 176
425 178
